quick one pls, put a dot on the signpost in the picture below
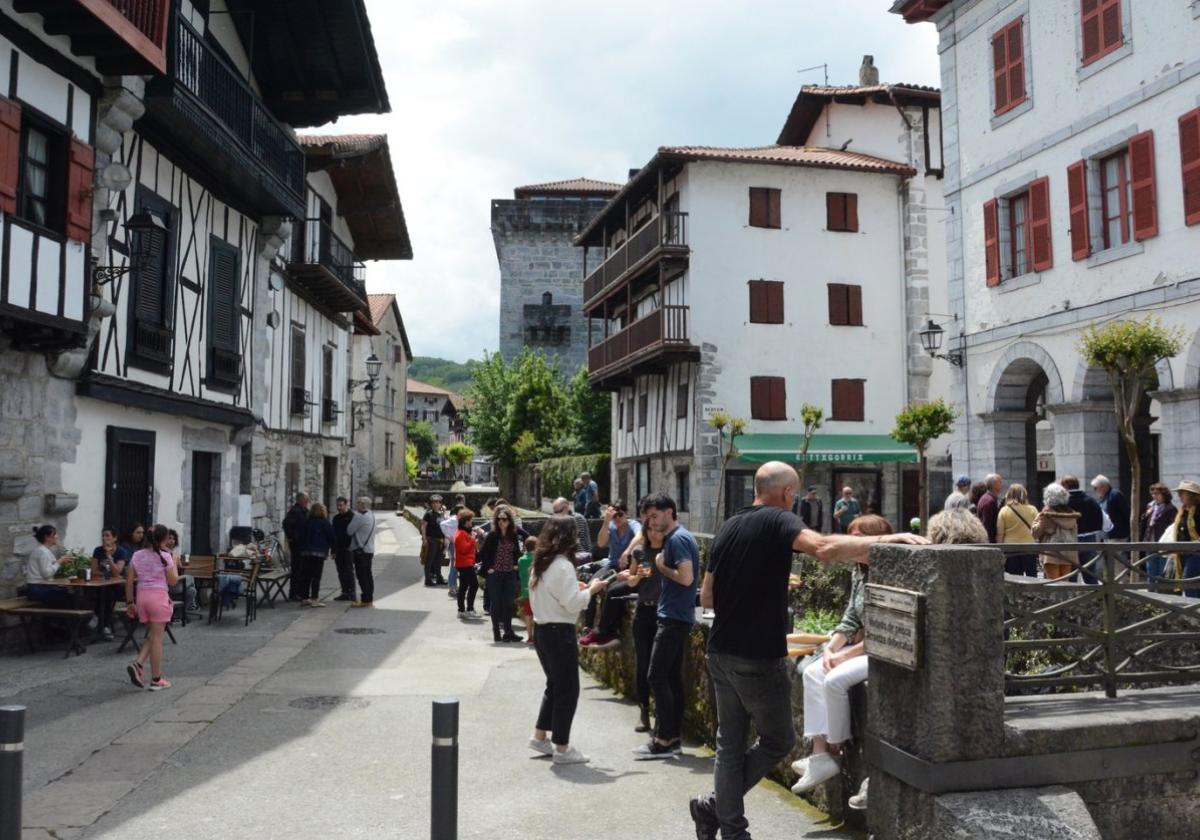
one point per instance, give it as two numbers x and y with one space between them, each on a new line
894 625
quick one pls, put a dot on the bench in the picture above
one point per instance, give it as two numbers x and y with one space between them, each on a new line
27 610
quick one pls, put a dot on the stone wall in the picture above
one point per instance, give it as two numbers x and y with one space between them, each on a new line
272 452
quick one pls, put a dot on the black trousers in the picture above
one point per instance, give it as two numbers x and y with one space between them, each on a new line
666 676
366 577
645 628
468 587
314 566
503 588
1021 564
433 560
345 570
297 565
613 610
558 652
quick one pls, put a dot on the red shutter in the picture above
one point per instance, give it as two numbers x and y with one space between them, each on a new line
1141 176
852 212
760 397
1000 69
854 306
774 216
1189 151
838 314
757 313
10 154
1016 63
1081 243
835 211
1089 12
773 300
79 191
1039 224
1110 24
778 398
758 207
991 242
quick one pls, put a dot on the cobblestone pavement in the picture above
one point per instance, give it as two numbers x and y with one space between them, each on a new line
295 727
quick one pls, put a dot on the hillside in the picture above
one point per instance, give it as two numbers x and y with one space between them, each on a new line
453 376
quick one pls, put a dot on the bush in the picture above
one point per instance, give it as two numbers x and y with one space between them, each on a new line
559 474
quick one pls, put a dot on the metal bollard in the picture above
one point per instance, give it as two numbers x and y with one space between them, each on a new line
12 745
443 793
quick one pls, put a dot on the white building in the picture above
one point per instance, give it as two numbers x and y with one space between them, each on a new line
1072 138
380 434
756 280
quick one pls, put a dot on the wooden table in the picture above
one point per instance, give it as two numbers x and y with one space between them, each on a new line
80 590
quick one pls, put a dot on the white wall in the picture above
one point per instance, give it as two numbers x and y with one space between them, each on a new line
384 421
664 430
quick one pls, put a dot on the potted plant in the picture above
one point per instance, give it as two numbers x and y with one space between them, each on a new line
78 562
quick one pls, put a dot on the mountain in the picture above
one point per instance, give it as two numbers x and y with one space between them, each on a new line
453 376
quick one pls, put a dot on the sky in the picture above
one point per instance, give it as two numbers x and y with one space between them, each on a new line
488 95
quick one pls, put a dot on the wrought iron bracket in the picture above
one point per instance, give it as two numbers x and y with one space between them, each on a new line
1022 771
102 274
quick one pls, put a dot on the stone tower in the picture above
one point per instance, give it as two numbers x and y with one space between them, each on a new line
541 272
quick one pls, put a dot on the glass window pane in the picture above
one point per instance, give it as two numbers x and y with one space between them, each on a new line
37 146
35 180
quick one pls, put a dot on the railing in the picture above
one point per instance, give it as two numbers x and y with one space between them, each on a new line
222 90
300 403
665 326
319 245
225 366
152 341
1108 623
666 230
147 16
329 410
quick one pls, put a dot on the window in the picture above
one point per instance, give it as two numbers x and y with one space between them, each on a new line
1127 209
764 207
848 400
1018 210
224 315
40 164
768 398
643 479
246 470
620 412
299 396
841 212
766 301
291 481
387 450
1189 153
152 297
1008 67
1114 199
845 305
681 401
1017 233
643 409
1100 21
328 406
629 420
683 493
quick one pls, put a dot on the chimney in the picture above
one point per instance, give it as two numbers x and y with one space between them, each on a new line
868 74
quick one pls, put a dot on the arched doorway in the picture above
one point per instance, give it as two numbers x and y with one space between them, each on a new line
1024 388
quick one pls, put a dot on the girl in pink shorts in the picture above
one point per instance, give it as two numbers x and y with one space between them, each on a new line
153 569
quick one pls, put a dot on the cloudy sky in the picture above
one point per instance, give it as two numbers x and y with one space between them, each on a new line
488 94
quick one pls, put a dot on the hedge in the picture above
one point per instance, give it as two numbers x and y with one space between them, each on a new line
559 474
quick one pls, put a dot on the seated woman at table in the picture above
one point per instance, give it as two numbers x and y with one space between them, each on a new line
108 561
133 539
41 566
187 584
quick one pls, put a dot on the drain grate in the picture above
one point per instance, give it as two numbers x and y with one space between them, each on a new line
325 702
360 631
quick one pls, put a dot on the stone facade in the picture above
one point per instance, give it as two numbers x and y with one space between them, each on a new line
273 451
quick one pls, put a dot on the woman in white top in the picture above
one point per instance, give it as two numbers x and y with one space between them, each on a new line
557 598
41 566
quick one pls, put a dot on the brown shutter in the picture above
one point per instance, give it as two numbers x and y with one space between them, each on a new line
10 154
1081 243
758 207
1000 69
79 191
1016 63
848 402
1141 175
1039 224
774 301
857 408
1090 23
851 200
991 241
837 399
778 398
838 314
774 215
854 306
1189 152
757 304
760 398
835 211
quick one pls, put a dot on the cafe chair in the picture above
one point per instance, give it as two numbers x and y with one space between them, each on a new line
131 626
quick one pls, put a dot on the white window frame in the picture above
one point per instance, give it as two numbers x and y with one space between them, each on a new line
1093 154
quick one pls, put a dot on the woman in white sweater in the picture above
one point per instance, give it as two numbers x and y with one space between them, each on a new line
557 598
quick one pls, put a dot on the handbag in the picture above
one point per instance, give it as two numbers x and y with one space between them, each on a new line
424 553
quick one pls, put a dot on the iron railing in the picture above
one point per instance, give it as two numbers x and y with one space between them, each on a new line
665 231
317 244
1107 624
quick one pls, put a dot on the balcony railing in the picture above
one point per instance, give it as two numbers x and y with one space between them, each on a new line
324 263
664 328
127 37
148 17
665 233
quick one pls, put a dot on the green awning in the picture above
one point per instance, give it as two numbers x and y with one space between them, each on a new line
834 449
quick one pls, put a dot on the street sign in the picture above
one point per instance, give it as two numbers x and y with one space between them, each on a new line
709 410
893 625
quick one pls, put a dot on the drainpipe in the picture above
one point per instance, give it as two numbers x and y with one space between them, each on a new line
903 288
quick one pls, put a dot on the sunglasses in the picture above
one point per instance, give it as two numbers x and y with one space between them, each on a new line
503 519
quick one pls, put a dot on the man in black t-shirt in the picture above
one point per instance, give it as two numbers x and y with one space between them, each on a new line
341 549
746 583
435 542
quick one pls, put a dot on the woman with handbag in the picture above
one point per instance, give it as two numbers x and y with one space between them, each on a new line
498 562
1057 523
1015 525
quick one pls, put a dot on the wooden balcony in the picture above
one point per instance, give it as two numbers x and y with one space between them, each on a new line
665 235
648 344
324 266
211 113
126 37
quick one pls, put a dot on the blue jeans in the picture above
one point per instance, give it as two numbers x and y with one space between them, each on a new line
1153 567
748 690
452 575
1191 569
52 596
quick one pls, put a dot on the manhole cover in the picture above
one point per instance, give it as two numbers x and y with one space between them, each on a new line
328 702
360 631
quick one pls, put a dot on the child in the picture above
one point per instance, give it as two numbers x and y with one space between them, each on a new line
524 564
464 564
153 569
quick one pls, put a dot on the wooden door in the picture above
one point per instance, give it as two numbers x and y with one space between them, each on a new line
129 478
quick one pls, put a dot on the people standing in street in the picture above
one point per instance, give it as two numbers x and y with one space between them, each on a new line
341 549
524 567
812 511
1158 516
846 509
747 585
592 508
1014 524
976 492
988 506
186 587
557 598
362 550
464 563
1091 523
1186 530
435 542
498 561
319 540
293 533
450 527
562 507
579 496
617 533
153 571
679 565
641 575
1115 506
1057 523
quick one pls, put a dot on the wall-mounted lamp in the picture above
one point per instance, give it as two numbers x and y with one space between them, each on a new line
145 234
931 339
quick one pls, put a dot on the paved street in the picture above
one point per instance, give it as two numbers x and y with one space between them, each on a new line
291 726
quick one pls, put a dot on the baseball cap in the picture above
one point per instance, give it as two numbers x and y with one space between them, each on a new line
962 479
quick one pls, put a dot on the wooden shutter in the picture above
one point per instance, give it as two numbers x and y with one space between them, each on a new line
1039 224
223 296
839 315
298 350
79 191
1189 152
10 154
854 316
774 214
1142 187
643 409
991 241
768 398
150 281
766 301
851 200
681 400
778 398
620 413
758 207
841 212
1090 23
1081 243
758 312
1110 24
1016 63
1000 69
848 400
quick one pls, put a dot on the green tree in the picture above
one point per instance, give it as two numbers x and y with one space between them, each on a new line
456 454
812 416
591 415
524 397
918 425
721 421
1128 352
421 435
412 463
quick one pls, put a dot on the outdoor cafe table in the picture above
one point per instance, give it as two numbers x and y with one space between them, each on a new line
83 591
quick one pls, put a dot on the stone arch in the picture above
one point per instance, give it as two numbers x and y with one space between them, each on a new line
1015 371
1092 385
1191 369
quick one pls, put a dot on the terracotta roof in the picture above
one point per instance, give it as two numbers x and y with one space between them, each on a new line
813 99
416 387
916 11
363 325
574 186
379 307
360 166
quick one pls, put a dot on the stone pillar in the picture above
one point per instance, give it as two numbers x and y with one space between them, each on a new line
1004 439
1179 444
1086 441
952 707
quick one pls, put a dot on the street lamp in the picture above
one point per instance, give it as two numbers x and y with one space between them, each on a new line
931 340
373 366
147 234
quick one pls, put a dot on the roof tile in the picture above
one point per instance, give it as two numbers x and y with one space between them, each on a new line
793 155
572 186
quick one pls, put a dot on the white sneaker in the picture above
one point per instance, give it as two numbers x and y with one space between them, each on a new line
571 756
821 768
858 801
472 614
800 766
543 747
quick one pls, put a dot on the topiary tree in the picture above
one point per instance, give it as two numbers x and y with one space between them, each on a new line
455 455
1128 352
918 425
812 416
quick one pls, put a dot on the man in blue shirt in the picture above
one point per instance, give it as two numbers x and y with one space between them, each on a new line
679 565
617 533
